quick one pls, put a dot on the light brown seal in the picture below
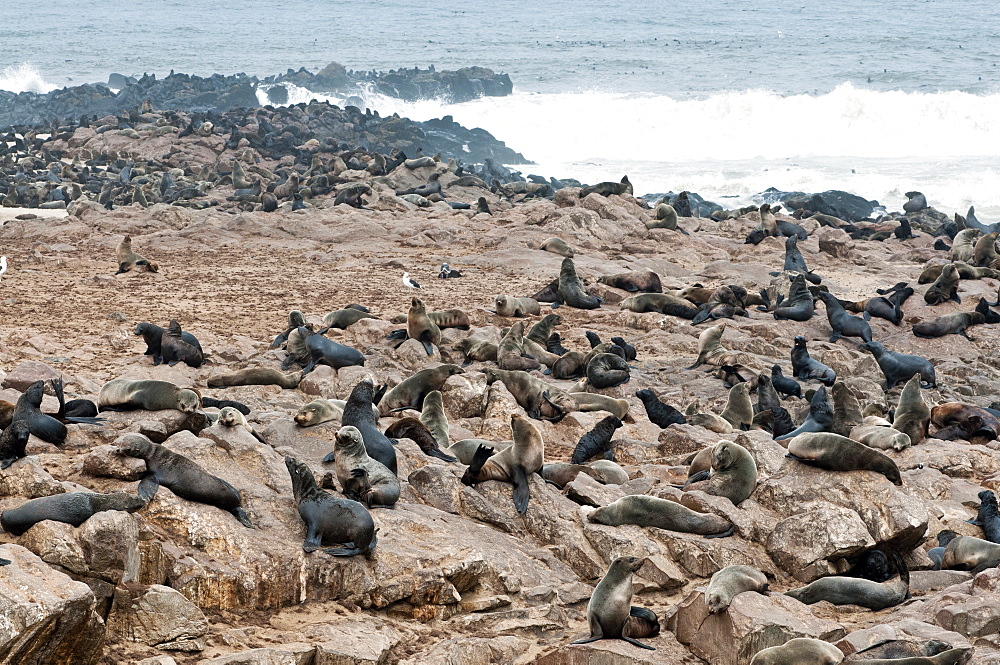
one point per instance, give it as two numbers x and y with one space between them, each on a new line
611 603
512 465
126 395
364 479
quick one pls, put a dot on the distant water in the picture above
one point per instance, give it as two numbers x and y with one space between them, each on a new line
721 97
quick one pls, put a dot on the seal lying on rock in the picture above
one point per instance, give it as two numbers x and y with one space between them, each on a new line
646 510
838 453
734 473
856 591
731 581
800 651
182 476
804 367
151 395
898 367
330 520
72 508
512 465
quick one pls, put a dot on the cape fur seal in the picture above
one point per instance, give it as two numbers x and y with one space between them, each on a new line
543 329
731 581
660 414
846 410
73 508
739 408
557 246
511 355
915 202
843 324
128 259
323 351
969 553
957 656
820 417
255 376
898 367
768 401
794 262
597 441
512 465
595 402
27 410
410 393
519 307
734 473
610 604
421 328
944 288
432 415
857 591
319 411
330 520
784 385
175 349
360 414
419 433
800 651
664 303
344 318
804 367
798 306
13 443
363 478
949 324
987 516
153 336
182 476
880 437
644 510
541 400
477 350
634 282
912 415
664 217
976 424
571 291
608 188
607 370
151 395
833 452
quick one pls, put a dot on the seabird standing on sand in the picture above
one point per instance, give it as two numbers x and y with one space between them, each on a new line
409 283
3 265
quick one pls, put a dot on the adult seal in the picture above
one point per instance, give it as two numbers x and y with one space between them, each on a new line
739 408
664 303
570 290
363 478
420 327
255 376
557 246
899 367
512 465
182 476
153 336
518 307
296 319
857 591
340 527
644 510
511 355
432 415
820 418
319 411
358 413
419 433
410 393
987 516
126 395
607 370
838 453
595 402
843 324
73 508
541 400
734 473
912 415
611 604
804 367
798 306
731 581
28 410
945 287
323 351
800 651
634 282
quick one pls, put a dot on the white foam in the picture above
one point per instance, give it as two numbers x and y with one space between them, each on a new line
24 78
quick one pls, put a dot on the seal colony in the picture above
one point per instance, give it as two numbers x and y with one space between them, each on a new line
678 411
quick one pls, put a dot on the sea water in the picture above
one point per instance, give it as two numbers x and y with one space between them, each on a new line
720 97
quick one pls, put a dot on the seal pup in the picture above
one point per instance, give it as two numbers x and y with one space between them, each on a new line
597 441
794 262
800 651
410 393
820 417
363 478
512 465
734 473
610 605
898 367
945 287
570 290
857 591
731 581
324 351
182 476
419 433
519 307
153 336
174 349
329 519
912 414
295 319
13 443
660 414
255 376
128 259
784 385
607 370
73 508
833 452
804 367
644 510
987 516
768 401
645 281
359 413
27 410
421 328
843 324
557 246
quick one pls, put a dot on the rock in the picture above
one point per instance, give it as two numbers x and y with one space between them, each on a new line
835 242
356 644
27 373
500 406
322 382
846 206
808 544
462 395
752 622
976 617
26 478
437 486
55 543
286 654
499 650
588 492
412 356
105 462
49 618
110 542
157 616
618 652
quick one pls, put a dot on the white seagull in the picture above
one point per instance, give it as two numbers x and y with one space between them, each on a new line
3 265
409 283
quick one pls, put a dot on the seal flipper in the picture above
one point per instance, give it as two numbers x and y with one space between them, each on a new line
330 457
148 486
353 550
632 640
7 461
725 534
441 455
521 491
701 475
5 562
428 347
590 639
312 540
242 516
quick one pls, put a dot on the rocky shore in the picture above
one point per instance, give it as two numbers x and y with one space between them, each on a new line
458 574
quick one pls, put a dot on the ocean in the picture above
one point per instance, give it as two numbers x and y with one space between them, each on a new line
721 97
